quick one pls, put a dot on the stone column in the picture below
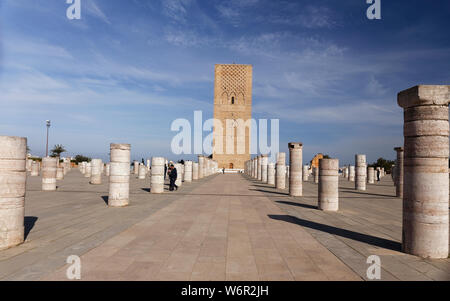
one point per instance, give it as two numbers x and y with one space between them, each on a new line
188 171
136 167
63 166
280 175
49 173
142 171
157 175
255 168
179 180
360 172
258 159
351 174
205 168
28 164
88 171
371 175
399 170
305 173
96 172
34 169
264 161
329 184
426 179
271 174
316 175
13 177
60 173
119 179
195 171
83 167
394 174
107 169
201 163
295 172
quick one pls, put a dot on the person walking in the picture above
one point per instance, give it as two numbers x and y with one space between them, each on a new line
378 175
172 177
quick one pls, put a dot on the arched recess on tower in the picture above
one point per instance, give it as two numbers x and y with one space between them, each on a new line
232 99
241 98
224 98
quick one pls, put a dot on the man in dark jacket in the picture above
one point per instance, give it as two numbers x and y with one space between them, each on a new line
172 177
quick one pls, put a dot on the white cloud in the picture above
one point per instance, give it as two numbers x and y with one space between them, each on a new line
375 88
363 112
234 10
35 47
94 10
186 38
176 9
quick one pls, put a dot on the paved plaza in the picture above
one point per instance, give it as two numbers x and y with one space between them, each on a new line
224 227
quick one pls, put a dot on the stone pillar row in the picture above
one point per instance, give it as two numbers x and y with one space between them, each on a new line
13 173
422 175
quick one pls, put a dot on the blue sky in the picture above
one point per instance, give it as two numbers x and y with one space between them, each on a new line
128 68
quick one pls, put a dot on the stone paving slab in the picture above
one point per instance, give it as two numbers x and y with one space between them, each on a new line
72 221
219 231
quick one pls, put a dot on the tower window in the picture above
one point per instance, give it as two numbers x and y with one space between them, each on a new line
232 100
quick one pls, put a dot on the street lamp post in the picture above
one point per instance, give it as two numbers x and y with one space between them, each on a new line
48 127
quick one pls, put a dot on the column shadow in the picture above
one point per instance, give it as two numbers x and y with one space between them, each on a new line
264 186
297 204
268 191
364 238
146 189
28 223
366 193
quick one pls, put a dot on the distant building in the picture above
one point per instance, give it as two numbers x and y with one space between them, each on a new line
232 114
315 161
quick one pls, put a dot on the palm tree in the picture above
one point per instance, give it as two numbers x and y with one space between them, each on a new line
57 150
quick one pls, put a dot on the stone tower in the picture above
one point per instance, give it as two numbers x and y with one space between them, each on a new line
232 114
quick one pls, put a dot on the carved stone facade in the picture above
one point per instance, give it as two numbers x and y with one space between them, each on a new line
233 113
